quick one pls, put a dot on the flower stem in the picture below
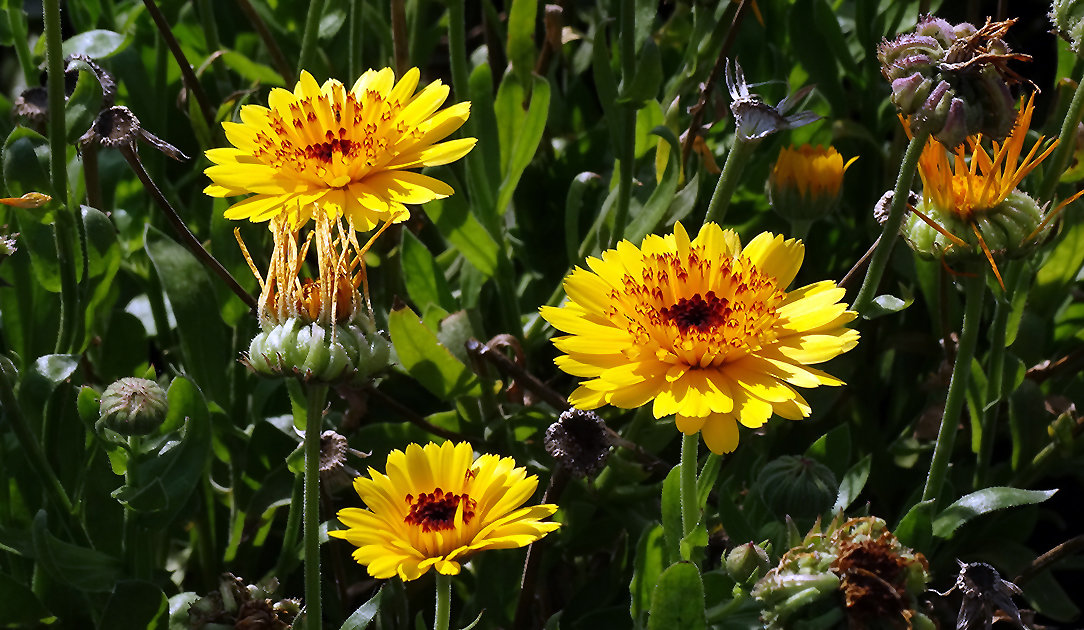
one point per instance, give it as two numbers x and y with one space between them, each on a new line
58 175
995 370
891 229
317 396
627 124
975 292
312 29
188 75
354 51
278 60
689 505
1055 167
444 602
728 179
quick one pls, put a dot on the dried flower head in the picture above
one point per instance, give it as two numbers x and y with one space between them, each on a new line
753 118
579 441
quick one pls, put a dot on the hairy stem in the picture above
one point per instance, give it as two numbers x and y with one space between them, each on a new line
317 396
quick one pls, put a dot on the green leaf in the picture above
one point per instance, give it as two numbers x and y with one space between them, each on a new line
19 607
649 563
653 212
423 277
26 163
853 482
251 70
85 569
833 449
678 600
455 223
39 381
521 49
705 482
606 87
644 85
982 502
693 544
135 605
916 527
526 140
1058 271
206 350
573 204
363 616
82 106
886 305
671 512
97 44
430 363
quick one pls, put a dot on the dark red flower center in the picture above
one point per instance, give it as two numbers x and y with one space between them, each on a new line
435 511
701 313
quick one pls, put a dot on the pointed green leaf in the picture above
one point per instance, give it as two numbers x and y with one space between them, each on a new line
649 563
982 502
916 527
363 616
522 20
422 356
526 140
853 482
423 277
83 568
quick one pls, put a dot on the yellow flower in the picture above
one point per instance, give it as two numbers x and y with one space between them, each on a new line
704 328
437 506
969 187
805 182
344 152
971 207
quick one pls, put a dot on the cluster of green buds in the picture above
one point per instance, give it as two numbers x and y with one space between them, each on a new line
952 80
317 330
856 574
1067 16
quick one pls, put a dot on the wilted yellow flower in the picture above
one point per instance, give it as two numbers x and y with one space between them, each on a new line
345 152
805 182
970 205
437 506
703 328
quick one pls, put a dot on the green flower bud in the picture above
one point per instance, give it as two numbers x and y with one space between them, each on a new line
1067 16
798 486
313 352
132 406
1008 229
746 563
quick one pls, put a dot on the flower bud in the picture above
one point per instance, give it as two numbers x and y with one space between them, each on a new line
344 352
1067 16
132 406
805 183
1007 229
746 563
798 486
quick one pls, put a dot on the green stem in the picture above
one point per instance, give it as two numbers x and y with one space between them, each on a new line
1055 166
891 228
444 602
995 370
354 50
399 44
627 113
690 509
317 396
457 49
58 174
188 75
975 291
278 60
17 19
210 33
312 30
288 555
728 179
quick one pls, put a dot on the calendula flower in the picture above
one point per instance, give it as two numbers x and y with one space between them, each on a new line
437 506
703 328
970 205
805 182
317 329
345 152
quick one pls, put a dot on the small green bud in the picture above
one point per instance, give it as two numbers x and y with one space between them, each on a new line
1005 229
1067 16
746 563
133 406
798 486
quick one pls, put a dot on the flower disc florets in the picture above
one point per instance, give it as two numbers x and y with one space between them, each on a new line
702 328
952 80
